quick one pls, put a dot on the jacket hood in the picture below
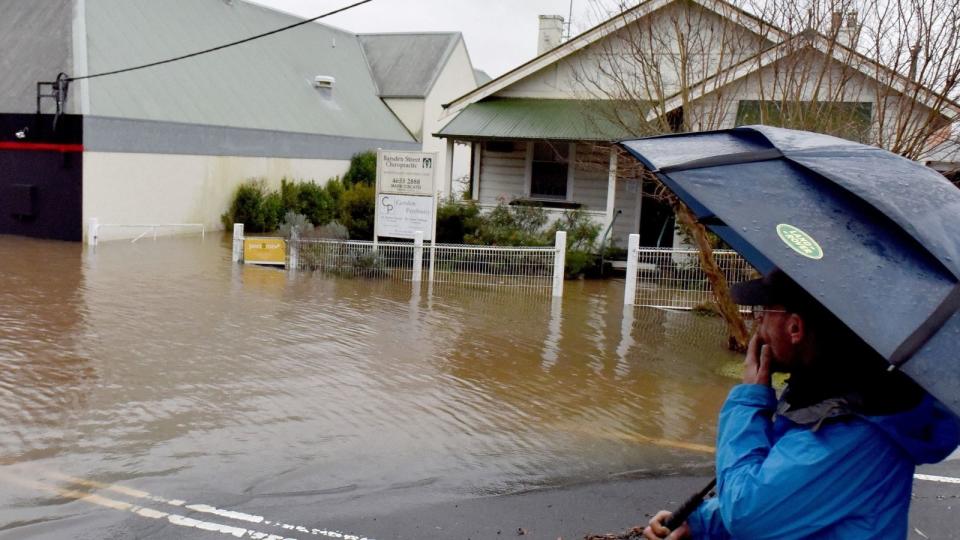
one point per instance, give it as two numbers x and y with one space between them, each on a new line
928 432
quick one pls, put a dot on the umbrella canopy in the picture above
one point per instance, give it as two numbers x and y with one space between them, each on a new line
873 236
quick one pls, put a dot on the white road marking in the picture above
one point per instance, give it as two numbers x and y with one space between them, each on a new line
174 518
207 509
932 478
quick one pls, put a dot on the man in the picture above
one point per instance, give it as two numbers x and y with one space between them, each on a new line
835 457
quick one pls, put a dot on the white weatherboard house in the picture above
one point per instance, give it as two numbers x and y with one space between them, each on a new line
171 143
543 133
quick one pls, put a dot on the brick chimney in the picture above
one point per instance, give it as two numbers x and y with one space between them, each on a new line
551 33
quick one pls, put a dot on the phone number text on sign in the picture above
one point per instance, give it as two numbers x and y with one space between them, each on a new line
405 184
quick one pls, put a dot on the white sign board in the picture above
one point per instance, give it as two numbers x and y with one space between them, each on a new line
400 216
406 173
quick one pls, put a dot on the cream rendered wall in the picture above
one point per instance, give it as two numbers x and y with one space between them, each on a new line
127 188
410 111
455 80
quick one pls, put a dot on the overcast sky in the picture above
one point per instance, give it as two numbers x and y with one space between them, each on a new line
500 34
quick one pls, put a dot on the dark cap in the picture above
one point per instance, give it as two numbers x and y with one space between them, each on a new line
775 288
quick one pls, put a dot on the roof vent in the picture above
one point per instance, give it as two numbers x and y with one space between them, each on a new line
323 81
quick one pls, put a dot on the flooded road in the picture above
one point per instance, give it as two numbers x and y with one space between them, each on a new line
161 367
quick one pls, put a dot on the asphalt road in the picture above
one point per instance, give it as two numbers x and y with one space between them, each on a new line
613 506
568 513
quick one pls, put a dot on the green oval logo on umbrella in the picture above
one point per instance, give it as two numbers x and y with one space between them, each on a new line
799 241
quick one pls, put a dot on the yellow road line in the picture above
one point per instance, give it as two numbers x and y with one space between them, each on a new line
638 438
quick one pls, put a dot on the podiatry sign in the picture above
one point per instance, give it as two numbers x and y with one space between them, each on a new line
406 200
401 216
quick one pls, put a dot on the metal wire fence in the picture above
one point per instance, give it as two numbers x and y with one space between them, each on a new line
674 279
350 258
530 270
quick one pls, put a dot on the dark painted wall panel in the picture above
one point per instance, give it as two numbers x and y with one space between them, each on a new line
41 176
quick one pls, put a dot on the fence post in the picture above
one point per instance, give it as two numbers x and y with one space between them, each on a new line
559 260
630 286
237 242
417 256
93 232
294 261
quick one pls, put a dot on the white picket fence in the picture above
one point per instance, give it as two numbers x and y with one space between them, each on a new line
524 269
674 279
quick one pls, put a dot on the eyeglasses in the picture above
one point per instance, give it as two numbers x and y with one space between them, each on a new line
760 311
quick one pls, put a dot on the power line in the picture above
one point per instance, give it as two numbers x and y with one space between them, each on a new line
198 53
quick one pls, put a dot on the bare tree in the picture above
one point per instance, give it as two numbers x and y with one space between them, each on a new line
882 72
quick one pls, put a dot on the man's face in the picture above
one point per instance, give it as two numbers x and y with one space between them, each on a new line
781 332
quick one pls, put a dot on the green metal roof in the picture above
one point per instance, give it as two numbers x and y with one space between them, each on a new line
553 119
407 64
265 84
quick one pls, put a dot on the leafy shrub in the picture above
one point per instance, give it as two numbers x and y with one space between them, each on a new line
315 203
579 263
290 195
334 190
582 232
333 230
457 220
261 210
363 169
272 211
252 206
508 225
293 221
356 210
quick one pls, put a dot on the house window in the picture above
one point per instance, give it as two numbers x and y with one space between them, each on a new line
549 170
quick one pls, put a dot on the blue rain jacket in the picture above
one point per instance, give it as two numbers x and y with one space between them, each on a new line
849 479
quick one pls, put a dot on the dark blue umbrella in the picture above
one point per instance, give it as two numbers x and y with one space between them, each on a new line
873 236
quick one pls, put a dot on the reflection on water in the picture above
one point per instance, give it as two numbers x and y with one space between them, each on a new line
163 366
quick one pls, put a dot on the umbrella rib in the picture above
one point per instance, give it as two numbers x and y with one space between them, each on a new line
927 329
727 159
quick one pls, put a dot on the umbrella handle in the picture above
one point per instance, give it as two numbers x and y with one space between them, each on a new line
681 514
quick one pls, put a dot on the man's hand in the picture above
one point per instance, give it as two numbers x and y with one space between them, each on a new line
656 531
756 366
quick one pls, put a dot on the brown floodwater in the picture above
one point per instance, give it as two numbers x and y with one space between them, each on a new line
162 367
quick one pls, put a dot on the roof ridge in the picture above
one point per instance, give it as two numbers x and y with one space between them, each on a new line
425 33
381 48
629 16
258 5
